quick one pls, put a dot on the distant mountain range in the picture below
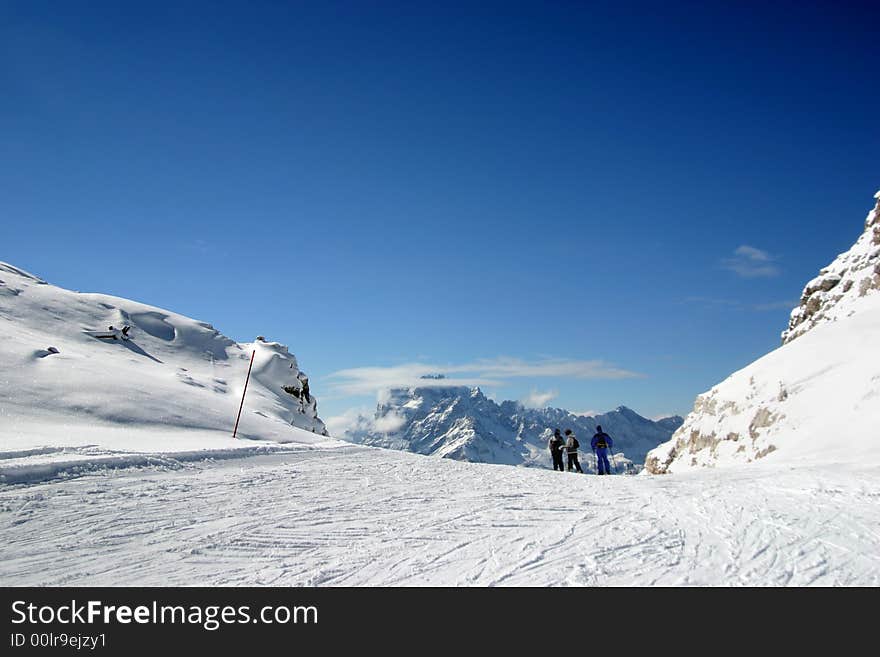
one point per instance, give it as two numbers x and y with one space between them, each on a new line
462 423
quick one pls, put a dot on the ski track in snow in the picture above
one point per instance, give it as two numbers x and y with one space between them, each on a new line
359 516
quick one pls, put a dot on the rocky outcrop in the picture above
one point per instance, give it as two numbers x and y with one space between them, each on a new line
852 275
278 370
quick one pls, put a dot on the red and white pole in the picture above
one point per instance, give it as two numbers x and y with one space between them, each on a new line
235 430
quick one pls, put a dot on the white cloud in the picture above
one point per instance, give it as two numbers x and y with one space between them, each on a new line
537 399
484 373
750 262
389 423
339 424
751 253
362 419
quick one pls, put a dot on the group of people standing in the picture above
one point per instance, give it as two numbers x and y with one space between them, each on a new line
601 444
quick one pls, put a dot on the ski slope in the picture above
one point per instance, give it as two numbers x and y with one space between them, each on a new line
359 516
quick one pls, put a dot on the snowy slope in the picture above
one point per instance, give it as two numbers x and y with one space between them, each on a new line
174 386
463 424
817 397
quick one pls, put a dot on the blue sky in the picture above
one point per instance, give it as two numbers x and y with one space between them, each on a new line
588 203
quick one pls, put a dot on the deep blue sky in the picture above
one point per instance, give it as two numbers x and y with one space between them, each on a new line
382 184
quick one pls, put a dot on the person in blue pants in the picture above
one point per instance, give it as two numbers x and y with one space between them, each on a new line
601 443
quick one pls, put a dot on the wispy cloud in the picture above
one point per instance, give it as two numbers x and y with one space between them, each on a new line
538 399
370 380
486 373
713 303
202 247
750 262
752 253
337 425
787 304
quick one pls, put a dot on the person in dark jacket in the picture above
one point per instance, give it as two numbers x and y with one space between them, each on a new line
304 392
571 446
556 445
601 443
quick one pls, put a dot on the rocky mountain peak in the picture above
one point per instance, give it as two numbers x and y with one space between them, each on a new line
838 287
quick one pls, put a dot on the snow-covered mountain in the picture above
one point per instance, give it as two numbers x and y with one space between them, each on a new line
463 424
817 397
73 375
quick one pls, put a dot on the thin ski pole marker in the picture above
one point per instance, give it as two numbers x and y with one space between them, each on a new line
235 430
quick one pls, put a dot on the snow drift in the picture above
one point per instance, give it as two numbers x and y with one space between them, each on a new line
815 398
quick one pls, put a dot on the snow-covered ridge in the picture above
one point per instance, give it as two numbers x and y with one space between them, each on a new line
74 376
461 423
817 397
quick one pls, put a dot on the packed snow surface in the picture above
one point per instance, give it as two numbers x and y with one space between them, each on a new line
367 516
